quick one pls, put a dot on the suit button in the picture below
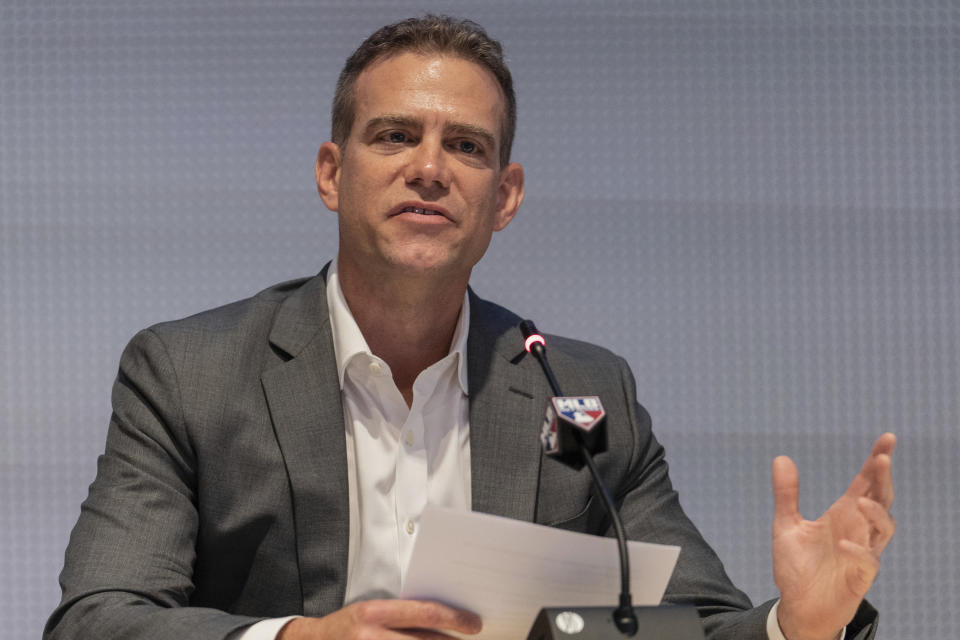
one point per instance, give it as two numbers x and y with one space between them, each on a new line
410 527
408 438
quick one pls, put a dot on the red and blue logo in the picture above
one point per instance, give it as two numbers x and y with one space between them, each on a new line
583 412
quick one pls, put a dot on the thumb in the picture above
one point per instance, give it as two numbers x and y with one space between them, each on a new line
786 491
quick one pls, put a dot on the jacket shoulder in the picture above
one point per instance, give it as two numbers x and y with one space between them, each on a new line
235 339
233 316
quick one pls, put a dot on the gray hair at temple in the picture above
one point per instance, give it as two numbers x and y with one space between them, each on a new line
426 35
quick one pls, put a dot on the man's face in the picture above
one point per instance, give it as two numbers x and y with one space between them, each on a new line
417 185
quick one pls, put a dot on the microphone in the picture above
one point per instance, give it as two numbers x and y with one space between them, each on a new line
566 430
574 428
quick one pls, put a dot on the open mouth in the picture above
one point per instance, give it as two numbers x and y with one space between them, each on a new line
423 212
419 211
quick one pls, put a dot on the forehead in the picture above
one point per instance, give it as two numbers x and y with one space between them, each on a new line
427 87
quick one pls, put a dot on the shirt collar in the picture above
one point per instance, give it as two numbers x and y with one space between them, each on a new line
348 341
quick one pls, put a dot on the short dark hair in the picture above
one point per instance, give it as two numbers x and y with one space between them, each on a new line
429 34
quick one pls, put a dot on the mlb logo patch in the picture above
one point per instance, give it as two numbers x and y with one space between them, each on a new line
571 423
585 412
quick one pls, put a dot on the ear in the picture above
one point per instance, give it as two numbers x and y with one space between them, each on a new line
511 195
328 175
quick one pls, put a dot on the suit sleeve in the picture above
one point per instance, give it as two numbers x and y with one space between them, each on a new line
129 564
651 511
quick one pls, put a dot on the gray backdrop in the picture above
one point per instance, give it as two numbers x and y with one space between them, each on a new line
757 203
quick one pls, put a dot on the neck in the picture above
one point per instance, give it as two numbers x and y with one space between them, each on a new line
407 321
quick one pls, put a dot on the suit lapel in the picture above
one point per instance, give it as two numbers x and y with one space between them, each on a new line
303 394
507 399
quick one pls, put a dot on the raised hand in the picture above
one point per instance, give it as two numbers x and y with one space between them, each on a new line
824 567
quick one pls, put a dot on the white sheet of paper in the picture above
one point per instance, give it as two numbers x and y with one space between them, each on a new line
506 570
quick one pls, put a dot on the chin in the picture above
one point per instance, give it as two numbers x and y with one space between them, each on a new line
423 266
420 260
432 265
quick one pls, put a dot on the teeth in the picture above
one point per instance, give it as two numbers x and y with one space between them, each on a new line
426 212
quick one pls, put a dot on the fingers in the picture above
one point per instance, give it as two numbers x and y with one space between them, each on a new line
885 444
786 491
417 614
875 479
401 634
384 619
863 567
882 524
425 635
883 450
882 488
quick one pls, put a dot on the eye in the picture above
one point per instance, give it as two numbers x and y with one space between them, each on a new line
396 136
468 146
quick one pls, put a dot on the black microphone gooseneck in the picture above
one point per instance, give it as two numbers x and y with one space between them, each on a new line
623 616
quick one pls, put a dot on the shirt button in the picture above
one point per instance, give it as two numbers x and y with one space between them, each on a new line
375 368
408 438
410 527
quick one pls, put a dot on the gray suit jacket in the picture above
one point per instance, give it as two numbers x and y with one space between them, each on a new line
221 498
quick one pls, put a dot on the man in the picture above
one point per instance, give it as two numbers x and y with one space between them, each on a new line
271 458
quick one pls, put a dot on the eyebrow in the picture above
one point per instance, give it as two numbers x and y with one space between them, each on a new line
390 120
454 128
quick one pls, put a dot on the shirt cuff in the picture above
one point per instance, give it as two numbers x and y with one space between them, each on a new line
263 630
773 627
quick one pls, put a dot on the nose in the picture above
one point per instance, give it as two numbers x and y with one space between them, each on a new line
427 165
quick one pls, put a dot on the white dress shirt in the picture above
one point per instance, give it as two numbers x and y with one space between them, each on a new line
399 458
